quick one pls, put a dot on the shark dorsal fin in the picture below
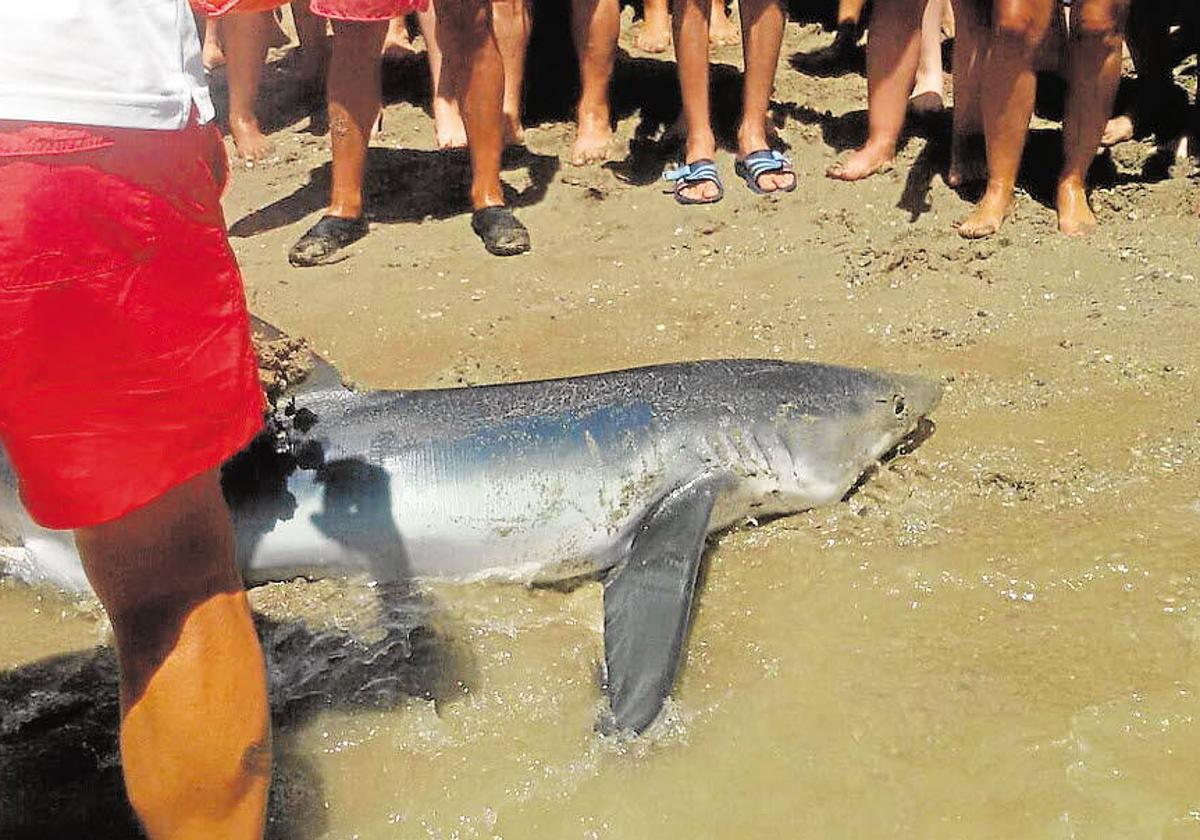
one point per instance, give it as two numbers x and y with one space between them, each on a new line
648 604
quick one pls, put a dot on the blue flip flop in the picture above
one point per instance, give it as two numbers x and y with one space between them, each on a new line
763 162
696 172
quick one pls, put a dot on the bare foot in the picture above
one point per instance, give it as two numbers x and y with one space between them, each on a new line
448 129
722 31
1075 216
593 140
862 163
252 145
989 214
968 160
654 36
398 45
1117 130
514 132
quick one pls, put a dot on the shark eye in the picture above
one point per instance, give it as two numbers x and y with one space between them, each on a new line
899 406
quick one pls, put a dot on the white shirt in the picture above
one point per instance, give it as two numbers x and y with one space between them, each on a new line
121 63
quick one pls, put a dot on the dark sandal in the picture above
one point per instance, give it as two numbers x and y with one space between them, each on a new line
764 162
691 174
324 239
501 231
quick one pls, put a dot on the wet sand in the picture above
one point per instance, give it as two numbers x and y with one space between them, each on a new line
995 637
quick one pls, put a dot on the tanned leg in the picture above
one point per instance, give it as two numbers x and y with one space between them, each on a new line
595 25
655 34
510 26
444 50
893 49
762 37
1096 41
354 98
245 37
690 25
195 725
312 30
968 162
929 83
1009 85
721 30
483 98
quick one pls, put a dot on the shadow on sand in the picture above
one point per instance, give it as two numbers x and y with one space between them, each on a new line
59 761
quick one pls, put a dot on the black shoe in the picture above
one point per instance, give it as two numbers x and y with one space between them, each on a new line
324 239
501 232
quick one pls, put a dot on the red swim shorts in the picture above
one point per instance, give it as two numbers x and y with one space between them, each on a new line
352 10
125 359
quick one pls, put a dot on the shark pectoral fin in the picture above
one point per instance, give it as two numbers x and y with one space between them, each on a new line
648 602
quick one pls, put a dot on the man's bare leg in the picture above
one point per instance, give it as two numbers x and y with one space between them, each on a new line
929 83
595 25
312 30
722 31
762 37
511 25
1018 29
245 37
445 54
968 161
195 723
483 116
893 49
655 34
354 95
354 91
1096 41
690 31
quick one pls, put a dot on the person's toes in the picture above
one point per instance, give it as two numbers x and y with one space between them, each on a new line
1117 130
653 39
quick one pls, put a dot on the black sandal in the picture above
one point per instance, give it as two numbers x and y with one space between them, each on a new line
502 233
324 239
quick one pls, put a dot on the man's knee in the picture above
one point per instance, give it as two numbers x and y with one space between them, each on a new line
1019 23
1103 20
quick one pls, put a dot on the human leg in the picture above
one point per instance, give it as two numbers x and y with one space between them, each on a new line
444 52
312 30
195 727
595 25
511 24
353 93
968 161
929 83
722 32
1095 44
762 37
893 49
690 30
482 110
1018 29
655 34
245 36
